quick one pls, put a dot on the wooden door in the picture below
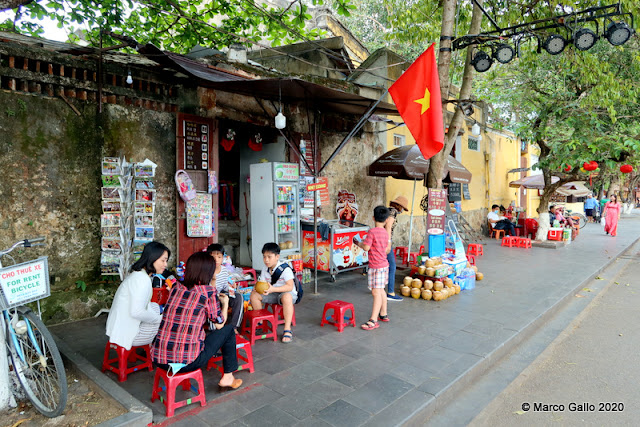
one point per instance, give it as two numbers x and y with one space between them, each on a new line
197 154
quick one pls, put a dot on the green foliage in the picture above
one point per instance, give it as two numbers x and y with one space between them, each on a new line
80 284
176 25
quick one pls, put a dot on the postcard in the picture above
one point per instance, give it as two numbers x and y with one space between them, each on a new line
143 221
110 232
111 244
144 185
145 195
138 246
110 220
144 208
142 171
111 180
144 233
111 193
111 206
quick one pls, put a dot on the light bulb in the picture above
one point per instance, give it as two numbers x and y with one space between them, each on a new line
281 121
129 79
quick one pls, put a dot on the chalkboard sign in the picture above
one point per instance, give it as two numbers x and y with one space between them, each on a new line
455 192
465 191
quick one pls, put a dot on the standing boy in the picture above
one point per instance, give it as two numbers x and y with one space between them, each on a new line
226 288
282 292
396 207
378 244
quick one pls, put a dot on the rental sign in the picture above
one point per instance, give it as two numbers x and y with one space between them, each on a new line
25 282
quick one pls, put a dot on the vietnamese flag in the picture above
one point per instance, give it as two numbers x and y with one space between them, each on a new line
417 97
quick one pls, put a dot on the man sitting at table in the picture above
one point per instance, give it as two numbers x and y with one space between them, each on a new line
500 222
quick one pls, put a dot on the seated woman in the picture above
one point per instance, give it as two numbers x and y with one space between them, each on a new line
562 219
134 320
182 338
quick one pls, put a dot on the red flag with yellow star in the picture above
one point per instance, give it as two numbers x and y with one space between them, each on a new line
417 97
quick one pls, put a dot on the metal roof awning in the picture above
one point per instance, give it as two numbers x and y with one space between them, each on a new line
288 89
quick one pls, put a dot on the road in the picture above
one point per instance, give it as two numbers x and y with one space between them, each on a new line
589 374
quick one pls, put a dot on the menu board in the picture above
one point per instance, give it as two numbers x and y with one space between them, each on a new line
196 145
465 191
436 210
455 192
285 172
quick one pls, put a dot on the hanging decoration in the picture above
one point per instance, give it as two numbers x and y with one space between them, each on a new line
590 166
255 143
626 168
229 140
567 168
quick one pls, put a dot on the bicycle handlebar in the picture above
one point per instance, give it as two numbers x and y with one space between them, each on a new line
27 243
35 239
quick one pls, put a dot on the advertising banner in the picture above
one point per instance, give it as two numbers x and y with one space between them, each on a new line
436 211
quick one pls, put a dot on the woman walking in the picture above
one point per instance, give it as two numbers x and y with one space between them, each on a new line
612 211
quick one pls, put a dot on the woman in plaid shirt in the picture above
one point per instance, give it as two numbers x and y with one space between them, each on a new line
182 339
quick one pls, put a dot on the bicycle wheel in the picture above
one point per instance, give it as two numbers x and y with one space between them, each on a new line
41 375
580 218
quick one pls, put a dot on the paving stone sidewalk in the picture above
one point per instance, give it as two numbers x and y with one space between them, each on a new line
399 373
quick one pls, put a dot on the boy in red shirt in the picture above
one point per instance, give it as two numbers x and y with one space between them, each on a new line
378 244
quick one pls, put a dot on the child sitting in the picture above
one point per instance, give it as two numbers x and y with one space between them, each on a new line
225 286
283 291
378 245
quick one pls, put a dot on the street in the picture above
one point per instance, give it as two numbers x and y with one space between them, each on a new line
589 374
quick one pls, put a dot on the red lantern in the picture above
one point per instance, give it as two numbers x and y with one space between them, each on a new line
567 168
626 168
590 166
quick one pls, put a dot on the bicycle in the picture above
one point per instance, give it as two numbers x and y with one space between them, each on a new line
34 355
578 217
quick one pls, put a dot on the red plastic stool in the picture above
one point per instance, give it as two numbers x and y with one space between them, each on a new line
402 252
339 311
250 328
120 364
475 249
277 311
171 383
241 344
471 259
524 242
509 241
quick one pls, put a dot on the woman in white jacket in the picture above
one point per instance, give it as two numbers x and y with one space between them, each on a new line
133 319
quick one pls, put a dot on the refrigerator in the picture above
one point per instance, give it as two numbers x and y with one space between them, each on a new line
275 209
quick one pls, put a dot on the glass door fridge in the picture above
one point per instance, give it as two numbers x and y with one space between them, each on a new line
275 215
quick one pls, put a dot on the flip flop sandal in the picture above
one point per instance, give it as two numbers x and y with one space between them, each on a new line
370 325
287 334
384 318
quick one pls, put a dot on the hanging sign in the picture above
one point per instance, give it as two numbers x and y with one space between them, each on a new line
455 192
22 283
465 192
285 172
436 211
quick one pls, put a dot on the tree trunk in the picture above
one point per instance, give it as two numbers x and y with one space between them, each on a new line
437 162
12 4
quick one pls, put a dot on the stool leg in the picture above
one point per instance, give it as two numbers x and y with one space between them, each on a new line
201 397
324 316
123 358
186 385
247 349
274 329
171 398
105 359
156 380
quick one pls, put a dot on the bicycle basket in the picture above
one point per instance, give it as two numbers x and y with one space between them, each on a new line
24 283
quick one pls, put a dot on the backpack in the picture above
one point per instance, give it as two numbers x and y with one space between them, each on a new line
185 186
296 282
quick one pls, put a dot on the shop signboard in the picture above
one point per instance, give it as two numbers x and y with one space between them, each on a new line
196 145
285 172
436 211
346 207
455 192
465 192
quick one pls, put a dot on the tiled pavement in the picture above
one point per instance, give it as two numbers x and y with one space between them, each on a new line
400 372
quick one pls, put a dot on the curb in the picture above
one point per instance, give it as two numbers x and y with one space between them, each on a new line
422 414
137 413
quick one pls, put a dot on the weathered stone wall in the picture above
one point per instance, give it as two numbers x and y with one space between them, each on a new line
51 186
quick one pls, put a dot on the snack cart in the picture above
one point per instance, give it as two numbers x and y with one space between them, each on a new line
337 253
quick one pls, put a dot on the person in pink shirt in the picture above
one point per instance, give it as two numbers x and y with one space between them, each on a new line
378 245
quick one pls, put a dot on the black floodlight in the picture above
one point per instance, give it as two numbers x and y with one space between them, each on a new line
481 61
554 44
584 39
503 53
618 33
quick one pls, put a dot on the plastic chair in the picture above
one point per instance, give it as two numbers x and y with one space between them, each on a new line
401 251
339 311
475 249
524 242
413 256
120 364
171 383
277 311
471 259
498 234
241 344
250 328
530 228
